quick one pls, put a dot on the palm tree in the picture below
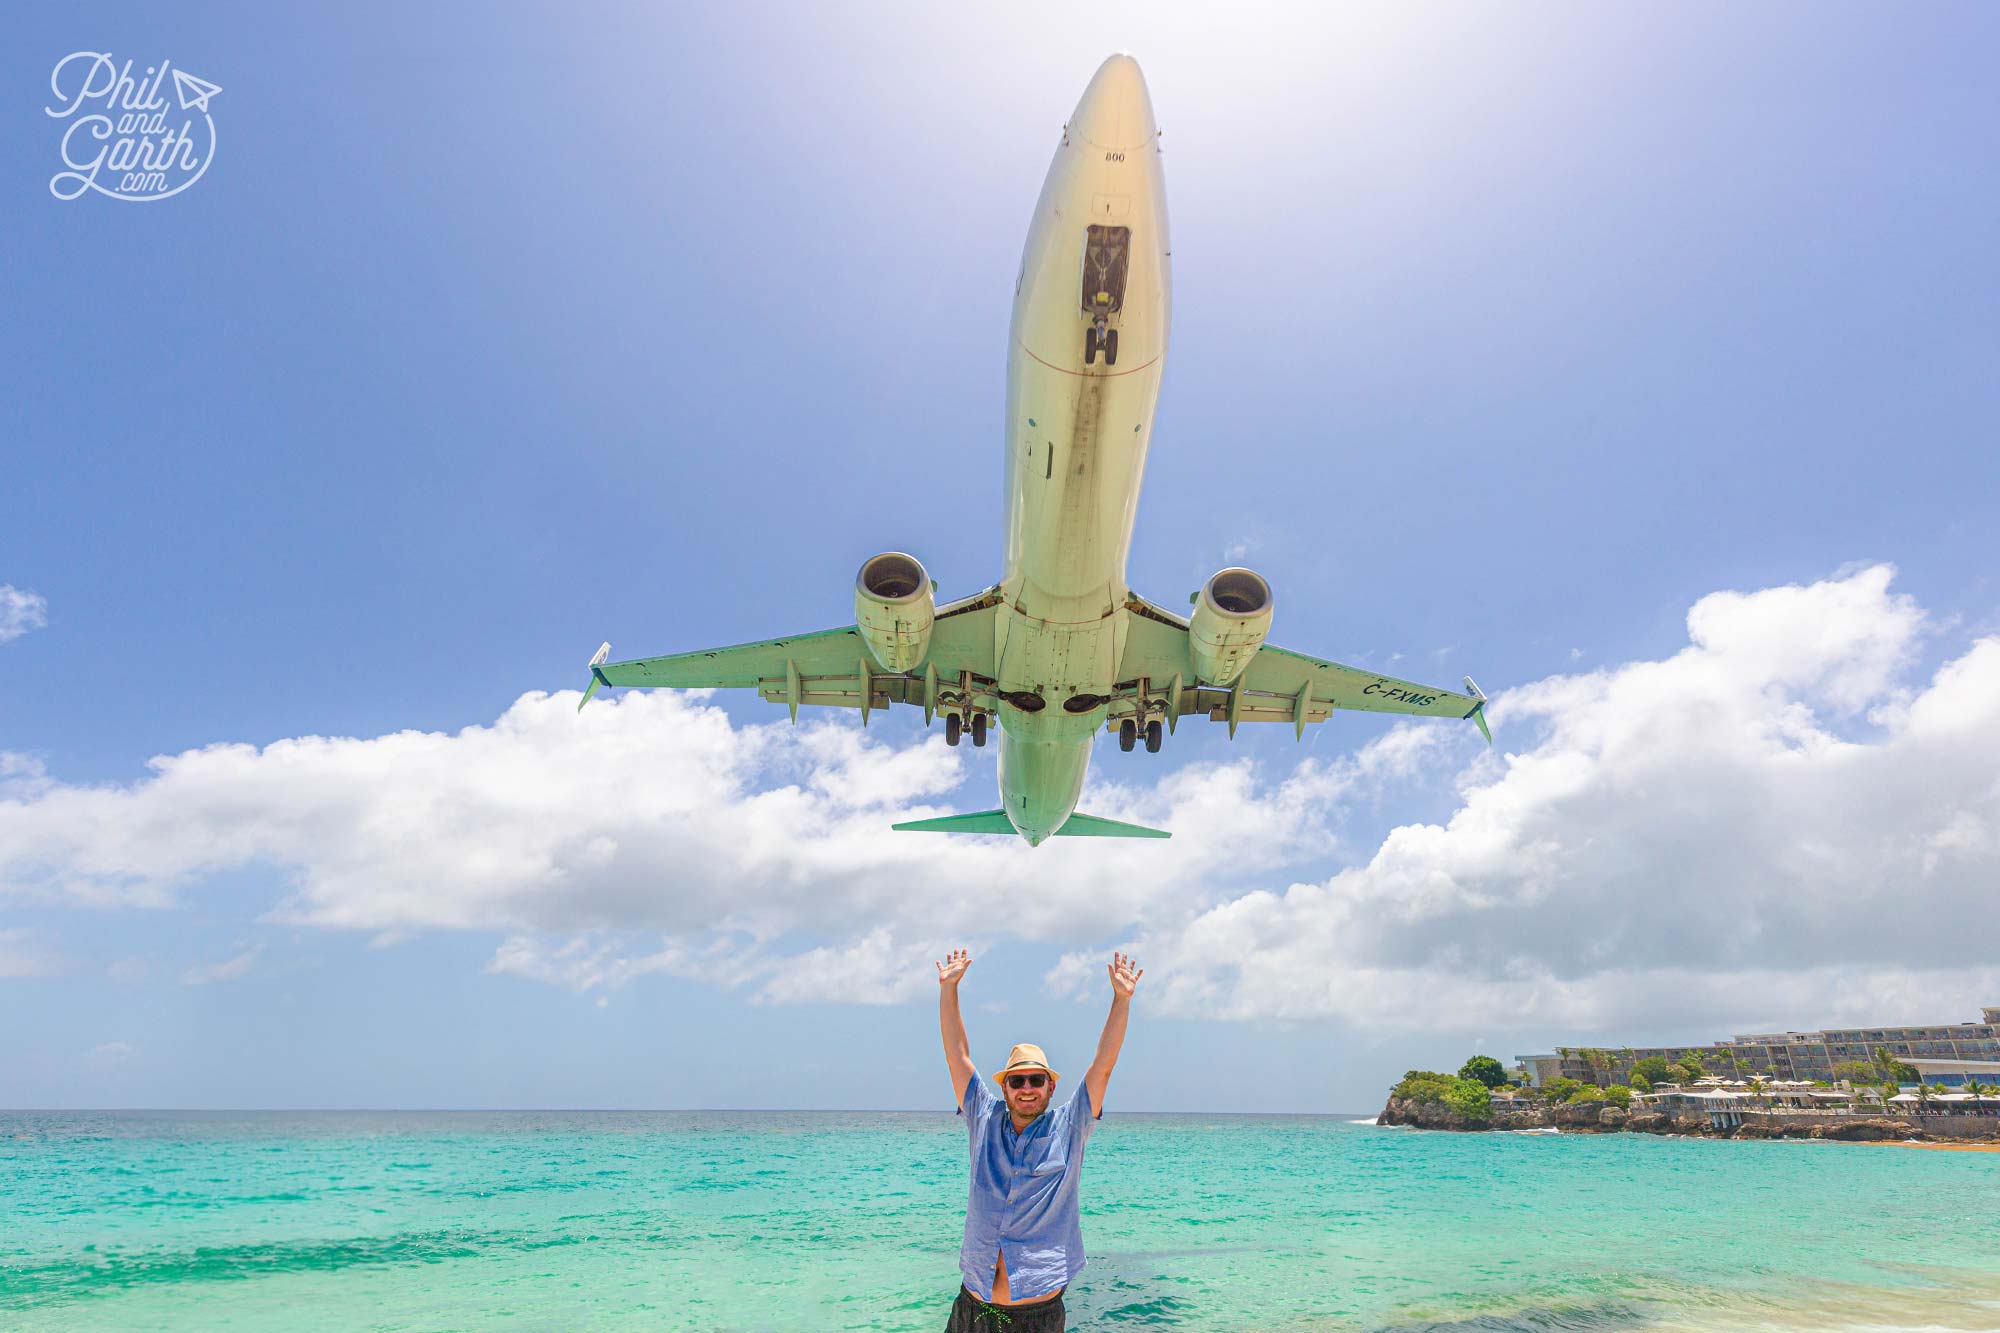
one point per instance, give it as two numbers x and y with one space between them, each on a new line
1760 1091
1923 1098
1600 1062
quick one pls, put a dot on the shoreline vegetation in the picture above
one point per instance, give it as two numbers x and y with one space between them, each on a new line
1683 1100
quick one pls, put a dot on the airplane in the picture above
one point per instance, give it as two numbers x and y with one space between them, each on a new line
1062 647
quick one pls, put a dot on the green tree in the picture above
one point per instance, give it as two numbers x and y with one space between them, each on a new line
1485 1069
1854 1073
1639 1083
1890 1065
1618 1095
1470 1098
1560 1088
1760 1092
1683 1073
1423 1085
1586 1092
1653 1068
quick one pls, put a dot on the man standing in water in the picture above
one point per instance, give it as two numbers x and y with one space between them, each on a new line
1023 1241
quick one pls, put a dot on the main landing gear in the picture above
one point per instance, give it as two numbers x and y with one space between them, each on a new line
954 727
1097 339
1128 735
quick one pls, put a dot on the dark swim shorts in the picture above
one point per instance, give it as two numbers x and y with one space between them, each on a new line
969 1314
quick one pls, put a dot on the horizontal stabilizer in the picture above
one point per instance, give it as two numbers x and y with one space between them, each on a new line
1090 826
985 821
995 821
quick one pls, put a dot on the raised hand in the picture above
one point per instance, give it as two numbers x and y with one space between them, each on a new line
953 967
1125 973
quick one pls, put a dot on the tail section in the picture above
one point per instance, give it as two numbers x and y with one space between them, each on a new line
995 821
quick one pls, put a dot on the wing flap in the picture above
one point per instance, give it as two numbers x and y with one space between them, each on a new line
831 668
1278 685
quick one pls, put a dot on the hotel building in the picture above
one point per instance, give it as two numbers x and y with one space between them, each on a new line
1947 1053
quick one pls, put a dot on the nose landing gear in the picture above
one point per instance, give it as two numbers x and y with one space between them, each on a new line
1098 338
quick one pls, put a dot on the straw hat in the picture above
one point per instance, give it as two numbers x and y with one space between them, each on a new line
1027 1055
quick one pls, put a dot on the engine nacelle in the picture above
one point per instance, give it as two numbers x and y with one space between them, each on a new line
1232 614
894 609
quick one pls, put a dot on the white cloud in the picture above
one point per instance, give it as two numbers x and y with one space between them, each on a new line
20 611
111 1053
1681 837
229 969
650 835
1777 820
20 956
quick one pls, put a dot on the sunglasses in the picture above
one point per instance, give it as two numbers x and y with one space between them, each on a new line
1016 1082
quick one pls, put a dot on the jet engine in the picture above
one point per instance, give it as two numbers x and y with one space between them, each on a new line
1232 614
894 608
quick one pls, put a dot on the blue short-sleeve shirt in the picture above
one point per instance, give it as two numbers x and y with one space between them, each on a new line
1024 1196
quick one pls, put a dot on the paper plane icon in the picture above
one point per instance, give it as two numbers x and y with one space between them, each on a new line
194 93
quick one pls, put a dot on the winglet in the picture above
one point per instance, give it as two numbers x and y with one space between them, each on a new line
1478 713
596 676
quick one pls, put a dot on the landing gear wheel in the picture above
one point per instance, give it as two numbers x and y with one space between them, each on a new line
1153 736
979 729
1128 735
951 726
1110 341
1089 346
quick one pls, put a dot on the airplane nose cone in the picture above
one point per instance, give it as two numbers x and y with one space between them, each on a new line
1116 111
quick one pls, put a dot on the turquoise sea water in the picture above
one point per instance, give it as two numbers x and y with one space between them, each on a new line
779 1220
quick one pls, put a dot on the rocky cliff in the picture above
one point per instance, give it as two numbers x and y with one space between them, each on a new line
1603 1118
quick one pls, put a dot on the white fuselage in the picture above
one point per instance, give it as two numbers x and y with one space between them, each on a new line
1076 440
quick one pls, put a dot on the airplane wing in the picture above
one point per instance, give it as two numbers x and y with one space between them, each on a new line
831 668
1278 685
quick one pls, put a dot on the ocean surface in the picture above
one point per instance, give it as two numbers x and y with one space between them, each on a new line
839 1220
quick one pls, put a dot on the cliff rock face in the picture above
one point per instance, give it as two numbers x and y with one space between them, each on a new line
1867 1131
1605 1118
1436 1115
1423 1115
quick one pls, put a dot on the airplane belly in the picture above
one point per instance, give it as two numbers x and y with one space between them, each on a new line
1088 345
1043 761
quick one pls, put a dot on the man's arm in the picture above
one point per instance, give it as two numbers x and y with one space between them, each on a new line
1125 976
957 1051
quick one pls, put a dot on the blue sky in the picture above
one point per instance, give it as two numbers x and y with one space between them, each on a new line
1501 341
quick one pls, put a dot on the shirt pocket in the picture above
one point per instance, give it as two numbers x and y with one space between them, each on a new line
1053 1164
